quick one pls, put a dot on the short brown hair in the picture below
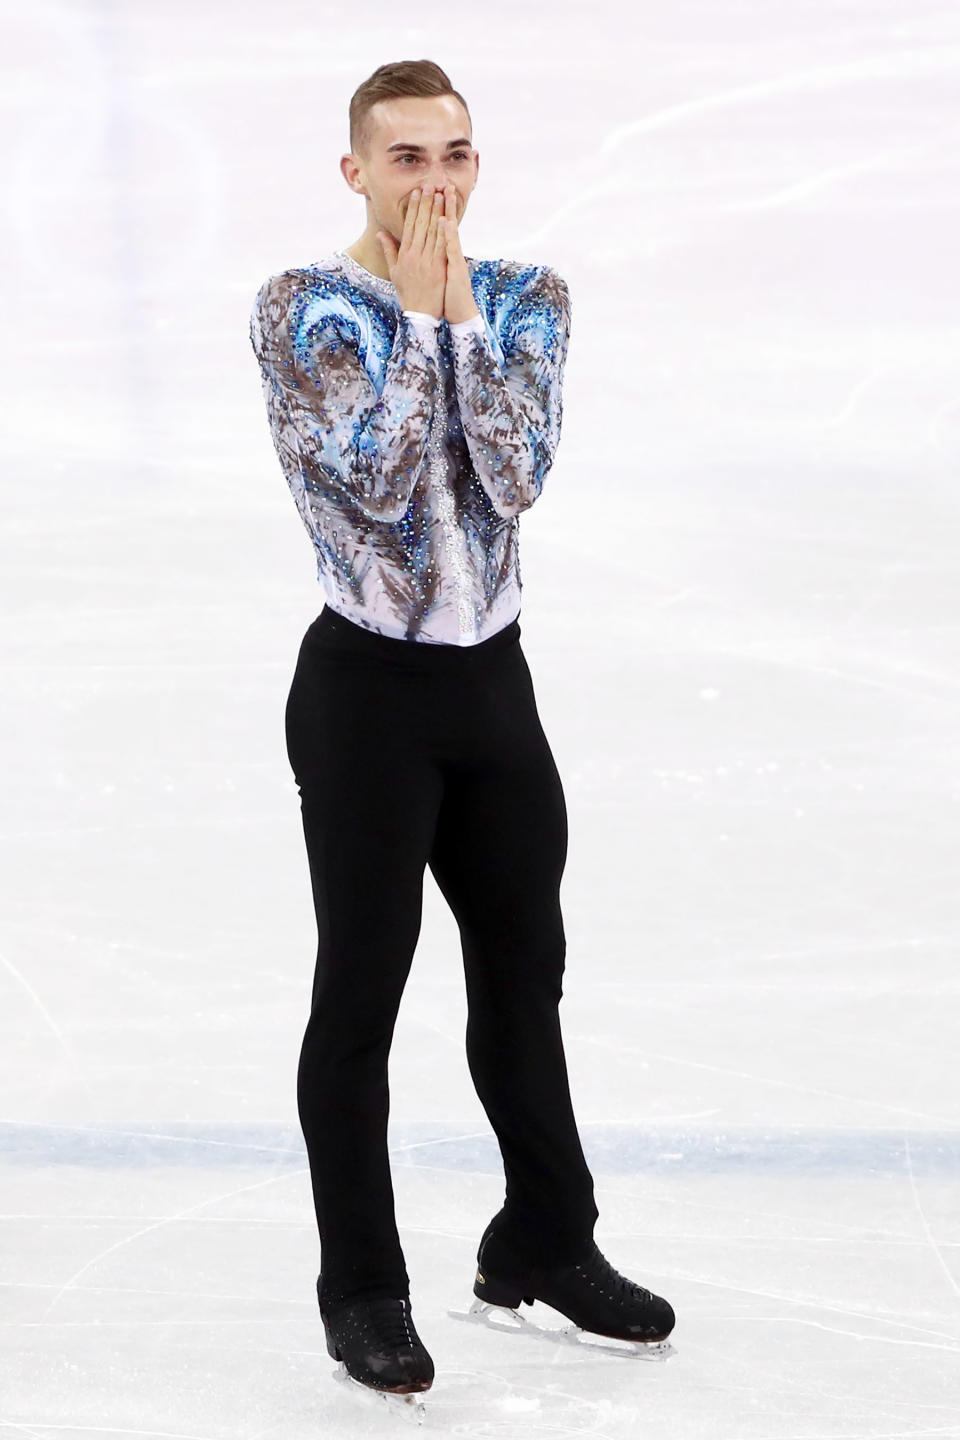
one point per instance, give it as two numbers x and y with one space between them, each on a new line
391 82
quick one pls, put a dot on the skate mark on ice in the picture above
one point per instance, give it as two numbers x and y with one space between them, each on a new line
44 1427
160 1224
785 1299
439 1140
793 1086
864 69
938 1253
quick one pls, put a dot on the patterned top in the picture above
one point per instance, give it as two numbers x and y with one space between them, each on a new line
412 445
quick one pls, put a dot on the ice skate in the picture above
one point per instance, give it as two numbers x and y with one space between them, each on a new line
608 1311
380 1354
408 1407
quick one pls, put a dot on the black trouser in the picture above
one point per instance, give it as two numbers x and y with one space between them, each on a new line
409 753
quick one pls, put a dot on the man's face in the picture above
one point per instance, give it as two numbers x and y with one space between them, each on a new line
415 140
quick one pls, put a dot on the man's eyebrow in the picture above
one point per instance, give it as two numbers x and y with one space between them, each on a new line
402 145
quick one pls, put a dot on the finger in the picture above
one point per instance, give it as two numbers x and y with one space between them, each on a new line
424 214
410 218
436 220
453 229
436 214
453 240
444 222
440 242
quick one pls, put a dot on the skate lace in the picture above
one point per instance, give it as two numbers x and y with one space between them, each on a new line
601 1273
390 1320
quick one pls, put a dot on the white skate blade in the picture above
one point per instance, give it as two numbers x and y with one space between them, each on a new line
499 1317
406 1407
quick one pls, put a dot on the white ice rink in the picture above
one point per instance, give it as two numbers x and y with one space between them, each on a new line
742 615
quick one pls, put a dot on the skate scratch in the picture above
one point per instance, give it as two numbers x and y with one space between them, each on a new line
164 1294
479 1381
677 1273
159 1224
887 158
923 1219
810 79
47 1425
25 985
200 1142
774 1084
69 1217
439 1140
853 1334
605 1187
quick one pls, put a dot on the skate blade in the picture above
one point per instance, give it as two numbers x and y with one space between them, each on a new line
406 1407
499 1317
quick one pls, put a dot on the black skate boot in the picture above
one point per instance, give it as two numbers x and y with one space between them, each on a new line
378 1346
596 1297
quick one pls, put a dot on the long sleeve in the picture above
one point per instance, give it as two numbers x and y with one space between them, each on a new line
339 430
511 413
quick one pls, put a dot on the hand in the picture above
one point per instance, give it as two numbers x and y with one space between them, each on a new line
418 266
458 301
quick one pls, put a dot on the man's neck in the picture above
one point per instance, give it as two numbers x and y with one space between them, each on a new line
374 261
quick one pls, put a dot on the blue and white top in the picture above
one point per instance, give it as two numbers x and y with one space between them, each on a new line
412 445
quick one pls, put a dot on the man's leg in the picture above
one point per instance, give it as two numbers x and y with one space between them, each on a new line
498 857
369 801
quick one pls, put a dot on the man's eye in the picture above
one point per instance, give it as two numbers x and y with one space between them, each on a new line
457 155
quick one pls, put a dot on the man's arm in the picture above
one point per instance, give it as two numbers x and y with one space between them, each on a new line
511 414
370 445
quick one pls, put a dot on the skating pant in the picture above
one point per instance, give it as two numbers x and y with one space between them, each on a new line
408 754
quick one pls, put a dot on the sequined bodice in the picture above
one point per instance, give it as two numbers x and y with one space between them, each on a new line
411 449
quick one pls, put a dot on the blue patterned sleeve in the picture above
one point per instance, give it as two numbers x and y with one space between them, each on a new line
511 413
332 426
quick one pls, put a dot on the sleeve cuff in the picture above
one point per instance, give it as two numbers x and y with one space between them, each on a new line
420 317
472 326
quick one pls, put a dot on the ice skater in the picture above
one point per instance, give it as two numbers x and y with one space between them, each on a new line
414 399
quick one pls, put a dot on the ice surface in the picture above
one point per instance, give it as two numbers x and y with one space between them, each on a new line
741 613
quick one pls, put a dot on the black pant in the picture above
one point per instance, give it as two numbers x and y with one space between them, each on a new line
409 753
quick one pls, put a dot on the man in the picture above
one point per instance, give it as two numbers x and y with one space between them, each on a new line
414 398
